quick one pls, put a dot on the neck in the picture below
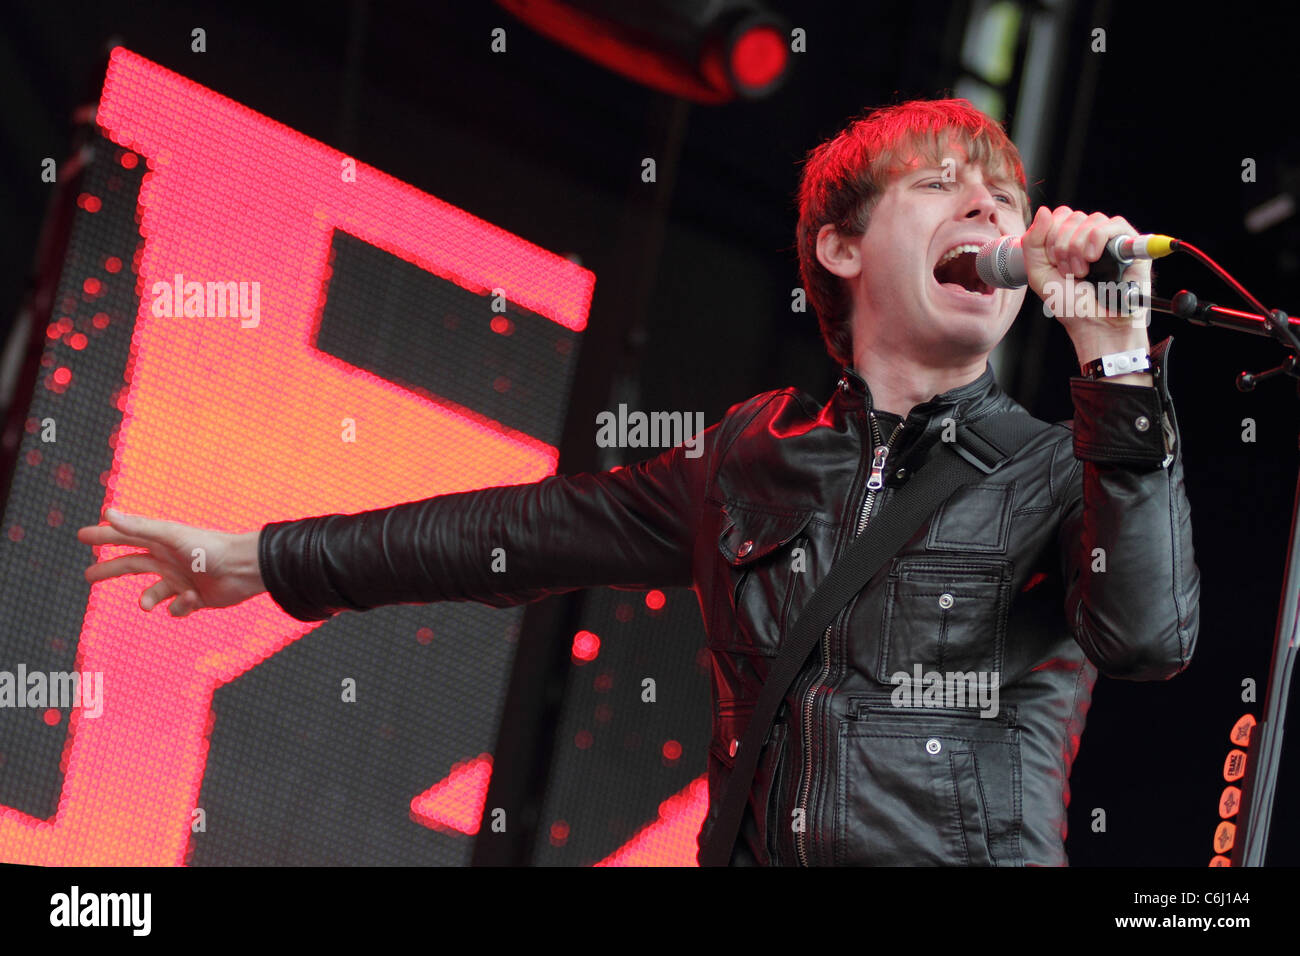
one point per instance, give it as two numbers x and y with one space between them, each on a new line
898 382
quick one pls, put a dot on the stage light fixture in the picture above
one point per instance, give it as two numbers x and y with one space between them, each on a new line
708 51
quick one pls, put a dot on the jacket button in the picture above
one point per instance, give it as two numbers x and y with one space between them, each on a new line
945 600
901 474
735 745
745 548
932 746
1141 423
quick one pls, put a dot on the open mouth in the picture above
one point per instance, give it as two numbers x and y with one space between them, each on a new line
956 271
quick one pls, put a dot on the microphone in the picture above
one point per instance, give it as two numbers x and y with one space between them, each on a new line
1001 263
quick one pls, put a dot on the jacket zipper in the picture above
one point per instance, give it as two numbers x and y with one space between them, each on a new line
874 483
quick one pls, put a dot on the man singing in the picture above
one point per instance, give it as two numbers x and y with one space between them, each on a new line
1072 558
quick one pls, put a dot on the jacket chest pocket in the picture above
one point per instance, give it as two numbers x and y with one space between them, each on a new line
944 615
928 787
975 518
767 555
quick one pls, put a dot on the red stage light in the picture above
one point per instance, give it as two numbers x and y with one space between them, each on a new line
586 646
559 833
758 57
702 52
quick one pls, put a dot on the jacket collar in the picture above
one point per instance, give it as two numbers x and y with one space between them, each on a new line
853 394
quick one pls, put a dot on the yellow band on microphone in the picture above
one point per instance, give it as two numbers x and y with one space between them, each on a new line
1159 246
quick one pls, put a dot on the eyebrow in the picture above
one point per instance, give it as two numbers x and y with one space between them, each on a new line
1007 184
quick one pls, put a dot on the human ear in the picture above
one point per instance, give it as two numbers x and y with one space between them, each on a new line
838 254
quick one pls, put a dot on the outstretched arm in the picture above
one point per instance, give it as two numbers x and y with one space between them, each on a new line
631 527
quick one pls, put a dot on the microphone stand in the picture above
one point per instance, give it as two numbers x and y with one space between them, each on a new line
1259 785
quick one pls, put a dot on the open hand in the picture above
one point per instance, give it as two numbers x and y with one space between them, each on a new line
173 551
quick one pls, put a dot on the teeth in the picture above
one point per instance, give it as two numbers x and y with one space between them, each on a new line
956 251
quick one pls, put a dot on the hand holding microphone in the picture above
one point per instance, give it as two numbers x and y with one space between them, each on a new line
1063 256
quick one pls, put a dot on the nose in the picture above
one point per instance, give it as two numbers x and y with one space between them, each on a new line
981 205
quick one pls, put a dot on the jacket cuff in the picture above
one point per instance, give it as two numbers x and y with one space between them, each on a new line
293 541
1123 424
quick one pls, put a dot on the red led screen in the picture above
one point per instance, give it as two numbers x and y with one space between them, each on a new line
234 404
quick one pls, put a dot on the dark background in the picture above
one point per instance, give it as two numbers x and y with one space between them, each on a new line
548 146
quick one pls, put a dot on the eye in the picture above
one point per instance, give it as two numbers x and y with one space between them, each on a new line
1009 200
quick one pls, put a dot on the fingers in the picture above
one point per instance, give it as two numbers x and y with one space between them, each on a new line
1073 240
127 564
107 534
171 533
156 594
135 530
166 585
153 535
1033 236
187 600
183 605
1060 247
1077 235
1060 236
1041 236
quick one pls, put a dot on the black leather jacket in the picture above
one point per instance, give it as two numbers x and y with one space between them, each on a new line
1074 557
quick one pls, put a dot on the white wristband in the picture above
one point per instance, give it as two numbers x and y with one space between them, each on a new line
1118 363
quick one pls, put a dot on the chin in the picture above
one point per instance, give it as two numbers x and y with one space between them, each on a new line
964 336
969 322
